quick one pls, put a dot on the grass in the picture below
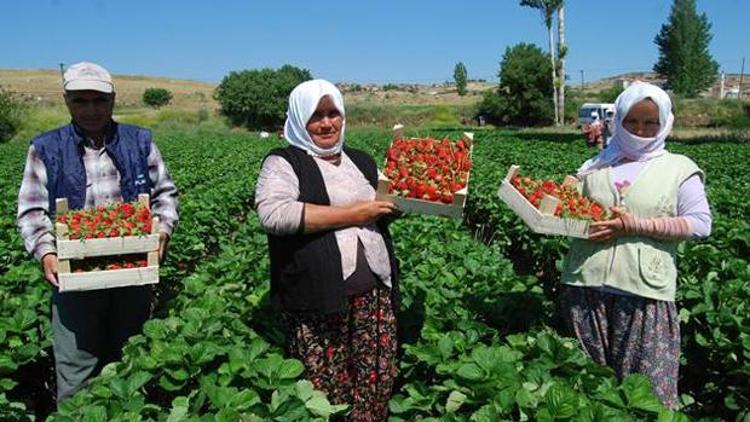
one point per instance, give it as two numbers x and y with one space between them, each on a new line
416 106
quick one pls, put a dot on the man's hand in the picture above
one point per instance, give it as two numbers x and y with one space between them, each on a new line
49 266
163 242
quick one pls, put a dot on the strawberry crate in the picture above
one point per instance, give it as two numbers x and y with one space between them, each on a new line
451 205
71 251
541 220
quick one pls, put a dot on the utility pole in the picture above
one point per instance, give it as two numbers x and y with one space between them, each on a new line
582 84
721 88
62 72
742 74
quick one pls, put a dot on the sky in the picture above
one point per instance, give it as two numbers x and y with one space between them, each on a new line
407 41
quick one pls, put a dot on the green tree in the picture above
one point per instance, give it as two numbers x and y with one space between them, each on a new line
460 76
156 97
522 98
11 111
257 98
684 59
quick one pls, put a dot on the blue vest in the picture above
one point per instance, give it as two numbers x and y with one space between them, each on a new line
62 150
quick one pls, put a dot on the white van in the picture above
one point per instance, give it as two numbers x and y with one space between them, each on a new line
589 110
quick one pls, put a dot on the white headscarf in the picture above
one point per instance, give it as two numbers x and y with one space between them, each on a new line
303 101
626 145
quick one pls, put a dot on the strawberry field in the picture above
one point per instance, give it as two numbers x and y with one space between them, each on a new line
482 339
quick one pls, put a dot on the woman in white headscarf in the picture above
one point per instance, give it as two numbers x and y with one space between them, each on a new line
619 285
334 277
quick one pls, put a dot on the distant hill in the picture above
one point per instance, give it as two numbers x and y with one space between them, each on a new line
45 87
731 80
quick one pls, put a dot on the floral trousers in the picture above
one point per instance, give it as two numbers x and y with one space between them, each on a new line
350 355
630 334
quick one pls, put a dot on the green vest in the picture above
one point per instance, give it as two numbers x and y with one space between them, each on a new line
642 266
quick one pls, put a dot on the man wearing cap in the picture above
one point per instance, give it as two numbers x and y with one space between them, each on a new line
92 161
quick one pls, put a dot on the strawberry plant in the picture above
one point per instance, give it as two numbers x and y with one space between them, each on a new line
478 318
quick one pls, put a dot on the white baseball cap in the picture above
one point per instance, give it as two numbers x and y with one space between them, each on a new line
86 76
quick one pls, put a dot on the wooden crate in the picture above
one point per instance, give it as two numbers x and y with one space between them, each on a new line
88 248
421 206
540 220
97 280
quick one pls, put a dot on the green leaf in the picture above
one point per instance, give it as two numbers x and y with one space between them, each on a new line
486 413
7 384
95 414
445 345
180 407
485 357
166 383
304 389
639 394
562 401
155 329
244 400
119 386
397 404
138 380
470 371
227 415
319 406
7 365
455 400
290 368
670 416
180 374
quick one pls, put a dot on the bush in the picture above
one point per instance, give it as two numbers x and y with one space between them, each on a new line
257 99
524 97
443 114
711 113
609 95
10 115
156 97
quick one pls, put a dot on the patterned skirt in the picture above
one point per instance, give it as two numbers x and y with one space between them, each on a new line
350 355
630 334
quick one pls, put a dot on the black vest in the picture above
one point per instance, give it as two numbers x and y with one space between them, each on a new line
306 268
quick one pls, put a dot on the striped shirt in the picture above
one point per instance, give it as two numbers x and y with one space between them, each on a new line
102 187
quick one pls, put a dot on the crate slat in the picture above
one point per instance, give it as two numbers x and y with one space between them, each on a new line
108 279
80 249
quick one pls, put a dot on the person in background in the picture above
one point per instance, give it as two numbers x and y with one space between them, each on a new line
593 131
608 128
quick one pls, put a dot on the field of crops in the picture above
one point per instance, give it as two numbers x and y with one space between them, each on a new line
481 336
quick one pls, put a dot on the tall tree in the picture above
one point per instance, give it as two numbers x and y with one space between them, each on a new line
562 51
460 76
548 9
684 59
522 97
